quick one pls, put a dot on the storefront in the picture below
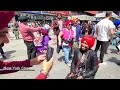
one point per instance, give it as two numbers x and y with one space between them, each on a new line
103 15
44 16
50 15
63 13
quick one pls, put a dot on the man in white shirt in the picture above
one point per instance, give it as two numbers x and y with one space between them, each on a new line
74 29
104 30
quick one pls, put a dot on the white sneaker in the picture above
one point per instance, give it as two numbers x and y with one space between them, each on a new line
104 63
69 64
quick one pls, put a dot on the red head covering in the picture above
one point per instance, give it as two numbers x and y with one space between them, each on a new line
44 31
5 17
68 22
89 39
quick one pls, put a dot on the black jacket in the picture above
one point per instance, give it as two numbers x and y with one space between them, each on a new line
90 63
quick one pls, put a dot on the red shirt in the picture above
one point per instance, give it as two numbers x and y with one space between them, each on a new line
27 32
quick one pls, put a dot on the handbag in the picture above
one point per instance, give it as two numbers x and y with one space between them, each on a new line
59 48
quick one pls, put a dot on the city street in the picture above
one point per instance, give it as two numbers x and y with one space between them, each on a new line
16 50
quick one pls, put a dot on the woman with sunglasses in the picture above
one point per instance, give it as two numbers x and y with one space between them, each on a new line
66 40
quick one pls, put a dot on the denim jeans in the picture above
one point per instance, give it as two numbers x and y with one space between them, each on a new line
66 50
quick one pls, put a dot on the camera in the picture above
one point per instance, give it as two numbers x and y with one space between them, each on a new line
49 53
68 41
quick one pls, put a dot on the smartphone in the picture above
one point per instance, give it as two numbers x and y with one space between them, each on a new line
49 53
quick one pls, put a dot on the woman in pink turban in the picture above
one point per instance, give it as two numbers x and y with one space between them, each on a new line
85 62
65 39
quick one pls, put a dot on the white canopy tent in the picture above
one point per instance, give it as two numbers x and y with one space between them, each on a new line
85 17
102 15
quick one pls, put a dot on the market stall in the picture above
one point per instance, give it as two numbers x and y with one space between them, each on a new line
85 17
102 15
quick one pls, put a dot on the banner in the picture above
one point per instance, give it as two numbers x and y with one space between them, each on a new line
66 13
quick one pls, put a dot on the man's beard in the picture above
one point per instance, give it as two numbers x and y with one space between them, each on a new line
83 51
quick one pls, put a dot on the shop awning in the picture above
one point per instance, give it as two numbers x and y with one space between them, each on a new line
92 12
85 17
66 13
101 15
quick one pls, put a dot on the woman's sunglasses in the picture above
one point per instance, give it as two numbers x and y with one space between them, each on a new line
70 24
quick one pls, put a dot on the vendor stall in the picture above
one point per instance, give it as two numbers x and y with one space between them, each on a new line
85 17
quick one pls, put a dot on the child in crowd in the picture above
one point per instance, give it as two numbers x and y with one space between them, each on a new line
43 45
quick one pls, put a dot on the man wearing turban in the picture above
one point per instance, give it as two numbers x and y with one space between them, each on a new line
85 62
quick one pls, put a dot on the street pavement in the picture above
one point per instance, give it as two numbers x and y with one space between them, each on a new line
16 50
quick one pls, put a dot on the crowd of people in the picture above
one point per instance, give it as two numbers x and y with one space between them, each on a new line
72 36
